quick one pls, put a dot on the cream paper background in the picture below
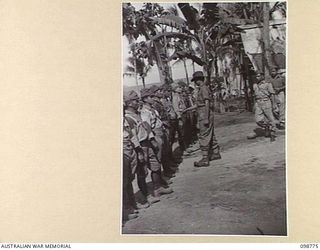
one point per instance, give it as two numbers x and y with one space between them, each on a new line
60 95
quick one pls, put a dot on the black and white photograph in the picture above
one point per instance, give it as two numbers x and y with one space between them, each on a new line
204 118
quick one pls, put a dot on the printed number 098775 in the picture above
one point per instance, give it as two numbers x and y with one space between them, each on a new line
309 246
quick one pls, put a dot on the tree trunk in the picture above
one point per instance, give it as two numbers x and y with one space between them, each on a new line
185 69
163 67
143 82
266 39
244 73
135 71
216 69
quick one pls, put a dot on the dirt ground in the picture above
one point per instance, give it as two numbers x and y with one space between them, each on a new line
244 193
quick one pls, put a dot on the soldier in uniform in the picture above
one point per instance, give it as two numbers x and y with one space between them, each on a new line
279 85
179 107
152 118
205 109
142 138
166 157
128 172
264 106
173 120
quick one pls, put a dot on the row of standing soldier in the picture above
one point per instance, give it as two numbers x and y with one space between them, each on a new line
150 125
152 121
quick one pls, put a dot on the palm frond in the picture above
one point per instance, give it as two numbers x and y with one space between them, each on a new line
170 20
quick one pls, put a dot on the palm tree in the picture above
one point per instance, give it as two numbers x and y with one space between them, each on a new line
143 23
137 67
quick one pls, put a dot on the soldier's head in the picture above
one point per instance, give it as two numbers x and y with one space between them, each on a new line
259 76
273 72
191 88
155 97
197 77
176 88
154 89
182 85
146 96
131 99
166 90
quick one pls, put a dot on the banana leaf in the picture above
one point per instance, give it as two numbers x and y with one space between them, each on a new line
170 20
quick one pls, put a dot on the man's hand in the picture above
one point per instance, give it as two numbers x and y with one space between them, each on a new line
140 154
155 146
180 123
206 122
275 108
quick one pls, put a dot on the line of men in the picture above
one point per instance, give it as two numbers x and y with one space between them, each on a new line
150 125
152 121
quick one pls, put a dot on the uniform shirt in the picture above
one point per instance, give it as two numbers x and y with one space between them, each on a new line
126 132
178 104
263 90
151 116
167 104
191 99
139 132
278 83
158 106
186 99
204 94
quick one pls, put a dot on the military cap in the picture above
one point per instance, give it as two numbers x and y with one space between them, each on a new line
132 95
182 84
196 75
159 95
166 86
154 88
175 86
191 86
145 93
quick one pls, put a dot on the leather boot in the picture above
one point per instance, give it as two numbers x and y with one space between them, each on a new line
142 206
128 215
272 136
151 199
267 132
252 135
215 154
165 183
132 216
204 162
161 191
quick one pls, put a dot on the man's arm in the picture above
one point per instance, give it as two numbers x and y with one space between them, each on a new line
207 111
175 105
206 97
272 96
193 107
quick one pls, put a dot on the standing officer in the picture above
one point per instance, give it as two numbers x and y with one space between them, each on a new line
264 106
205 109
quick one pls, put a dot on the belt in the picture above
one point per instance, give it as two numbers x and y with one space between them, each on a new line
158 129
263 100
